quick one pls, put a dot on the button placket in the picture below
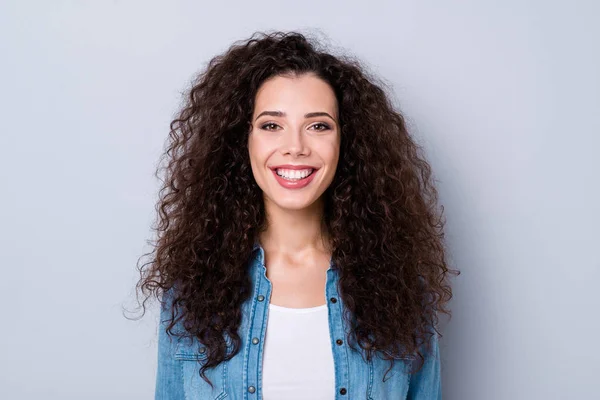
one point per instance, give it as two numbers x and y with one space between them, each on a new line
336 329
255 335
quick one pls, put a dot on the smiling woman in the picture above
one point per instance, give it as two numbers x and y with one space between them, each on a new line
299 251
294 132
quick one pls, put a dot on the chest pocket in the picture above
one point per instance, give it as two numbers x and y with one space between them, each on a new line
392 384
196 388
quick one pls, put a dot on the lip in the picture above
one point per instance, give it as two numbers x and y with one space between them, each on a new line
294 167
294 184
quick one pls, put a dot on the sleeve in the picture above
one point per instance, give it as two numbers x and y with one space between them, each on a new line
169 379
426 384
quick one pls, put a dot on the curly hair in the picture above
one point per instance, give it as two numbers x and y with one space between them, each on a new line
380 211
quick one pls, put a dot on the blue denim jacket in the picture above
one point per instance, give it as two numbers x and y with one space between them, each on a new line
240 378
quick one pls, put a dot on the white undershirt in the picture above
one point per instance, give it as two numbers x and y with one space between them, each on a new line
297 359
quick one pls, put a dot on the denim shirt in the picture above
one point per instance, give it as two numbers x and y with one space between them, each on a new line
240 378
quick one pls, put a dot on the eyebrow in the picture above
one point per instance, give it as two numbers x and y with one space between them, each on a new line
282 114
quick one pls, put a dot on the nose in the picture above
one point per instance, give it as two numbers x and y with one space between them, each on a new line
294 143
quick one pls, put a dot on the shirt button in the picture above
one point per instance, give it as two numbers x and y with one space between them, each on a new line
203 350
260 297
333 300
251 389
255 340
343 391
339 342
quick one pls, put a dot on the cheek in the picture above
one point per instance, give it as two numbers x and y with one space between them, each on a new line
259 153
254 149
333 156
331 153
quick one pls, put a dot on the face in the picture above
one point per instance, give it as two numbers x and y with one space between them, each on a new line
294 142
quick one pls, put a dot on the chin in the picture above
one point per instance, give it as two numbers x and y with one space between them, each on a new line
293 204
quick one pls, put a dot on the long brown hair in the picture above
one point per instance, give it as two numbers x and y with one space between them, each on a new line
381 209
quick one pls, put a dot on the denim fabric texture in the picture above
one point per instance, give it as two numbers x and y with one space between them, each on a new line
179 360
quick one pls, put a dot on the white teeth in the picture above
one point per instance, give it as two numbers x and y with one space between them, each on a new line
294 174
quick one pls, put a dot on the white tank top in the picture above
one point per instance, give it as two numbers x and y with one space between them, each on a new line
297 358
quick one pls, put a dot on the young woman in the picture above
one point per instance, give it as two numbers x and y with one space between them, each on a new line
299 251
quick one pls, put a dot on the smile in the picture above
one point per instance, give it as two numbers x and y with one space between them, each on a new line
294 179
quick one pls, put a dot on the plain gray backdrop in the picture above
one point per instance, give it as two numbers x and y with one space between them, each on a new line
503 95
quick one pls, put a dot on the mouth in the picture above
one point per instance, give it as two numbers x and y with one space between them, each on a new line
294 175
294 178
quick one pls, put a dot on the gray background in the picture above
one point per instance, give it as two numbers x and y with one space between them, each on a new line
504 95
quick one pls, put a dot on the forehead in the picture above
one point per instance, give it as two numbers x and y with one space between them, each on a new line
298 94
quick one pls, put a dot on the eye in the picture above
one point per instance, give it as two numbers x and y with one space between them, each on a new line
268 124
323 125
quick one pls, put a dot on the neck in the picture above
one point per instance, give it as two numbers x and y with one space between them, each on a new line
293 231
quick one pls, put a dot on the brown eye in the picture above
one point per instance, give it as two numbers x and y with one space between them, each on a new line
324 126
268 125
